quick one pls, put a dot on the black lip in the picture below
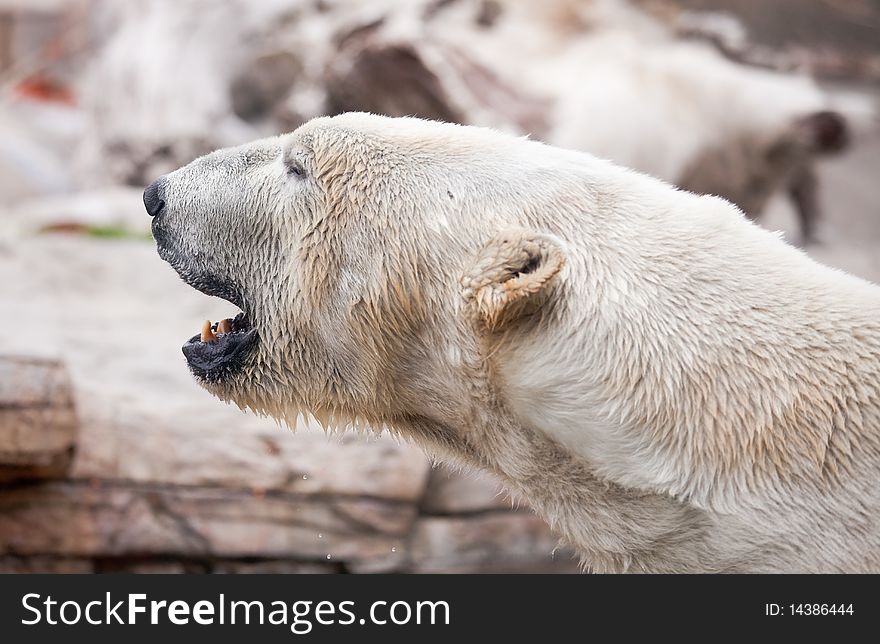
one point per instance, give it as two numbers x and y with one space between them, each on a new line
215 361
216 287
204 282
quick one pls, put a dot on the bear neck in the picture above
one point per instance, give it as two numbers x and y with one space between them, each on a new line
613 529
712 362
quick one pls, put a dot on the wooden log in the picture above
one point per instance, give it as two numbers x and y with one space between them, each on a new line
104 519
37 419
487 542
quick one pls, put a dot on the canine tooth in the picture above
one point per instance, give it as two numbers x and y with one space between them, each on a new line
207 333
224 326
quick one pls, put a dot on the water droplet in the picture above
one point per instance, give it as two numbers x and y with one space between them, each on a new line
328 556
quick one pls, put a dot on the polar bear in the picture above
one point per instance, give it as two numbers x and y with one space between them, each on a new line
670 386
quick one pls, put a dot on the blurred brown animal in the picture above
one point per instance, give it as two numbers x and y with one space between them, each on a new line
749 170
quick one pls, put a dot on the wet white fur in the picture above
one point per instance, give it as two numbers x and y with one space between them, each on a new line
688 392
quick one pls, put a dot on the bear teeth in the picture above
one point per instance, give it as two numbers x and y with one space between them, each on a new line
207 332
211 332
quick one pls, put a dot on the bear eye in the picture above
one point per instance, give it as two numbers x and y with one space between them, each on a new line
295 168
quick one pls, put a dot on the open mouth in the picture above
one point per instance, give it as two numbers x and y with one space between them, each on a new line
221 348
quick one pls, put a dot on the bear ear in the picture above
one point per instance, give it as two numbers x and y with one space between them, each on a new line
511 276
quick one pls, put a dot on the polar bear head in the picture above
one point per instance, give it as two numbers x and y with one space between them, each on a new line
376 262
492 297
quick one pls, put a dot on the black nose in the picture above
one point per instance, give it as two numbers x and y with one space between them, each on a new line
153 197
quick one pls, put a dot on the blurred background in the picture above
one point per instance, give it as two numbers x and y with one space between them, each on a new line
111 457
